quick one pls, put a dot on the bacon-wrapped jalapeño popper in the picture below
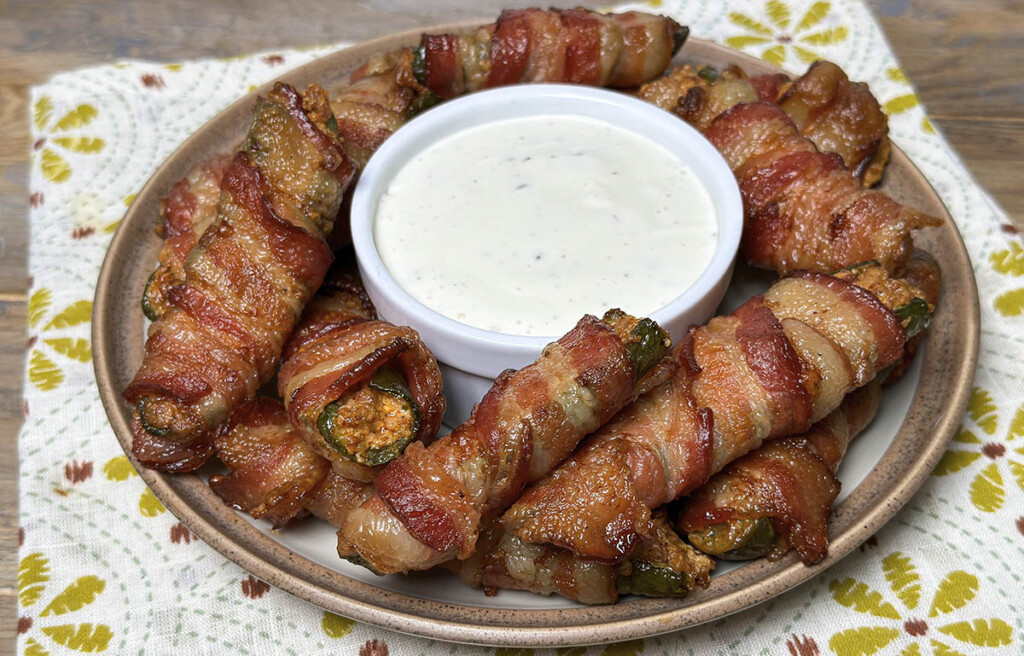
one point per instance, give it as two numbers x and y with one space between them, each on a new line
274 474
837 115
557 45
360 390
431 502
779 496
803 209
250 275
661 566
779 363
380 98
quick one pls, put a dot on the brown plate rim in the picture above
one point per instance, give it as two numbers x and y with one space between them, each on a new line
929 425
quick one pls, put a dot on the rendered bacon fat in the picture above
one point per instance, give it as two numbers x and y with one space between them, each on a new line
251 274
273 472
431 502
802 208
186 212
533 45
770 369
359 389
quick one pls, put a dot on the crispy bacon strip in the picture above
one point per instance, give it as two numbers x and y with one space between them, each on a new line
773 367
802 208
532 45
335 352
186 212
790 482
274 474
251 273
431 502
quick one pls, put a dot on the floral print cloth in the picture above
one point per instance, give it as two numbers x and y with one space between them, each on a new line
104 567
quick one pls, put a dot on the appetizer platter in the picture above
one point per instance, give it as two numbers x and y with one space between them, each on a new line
593 530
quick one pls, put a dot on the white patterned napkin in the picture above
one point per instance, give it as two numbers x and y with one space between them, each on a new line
104 567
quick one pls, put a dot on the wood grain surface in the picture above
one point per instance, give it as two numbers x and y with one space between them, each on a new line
963 56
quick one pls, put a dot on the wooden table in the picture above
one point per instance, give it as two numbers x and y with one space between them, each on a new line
964 56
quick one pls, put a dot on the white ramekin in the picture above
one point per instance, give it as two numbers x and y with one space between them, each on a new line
471 357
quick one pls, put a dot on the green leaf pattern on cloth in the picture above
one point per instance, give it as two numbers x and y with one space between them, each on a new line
118 573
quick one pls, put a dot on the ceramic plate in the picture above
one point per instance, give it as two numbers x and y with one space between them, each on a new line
884 468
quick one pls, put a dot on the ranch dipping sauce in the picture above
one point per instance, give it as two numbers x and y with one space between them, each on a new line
522 226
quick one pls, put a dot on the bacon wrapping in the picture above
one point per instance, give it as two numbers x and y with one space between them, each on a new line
430 503
778 497
837 115
803 209
381 97
250 275
770 369
274 474
660 567
841 117
359 389
186 212
533 45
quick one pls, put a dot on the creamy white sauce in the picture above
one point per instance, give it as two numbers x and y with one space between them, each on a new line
523 226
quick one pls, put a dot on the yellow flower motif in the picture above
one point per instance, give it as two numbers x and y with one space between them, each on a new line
904 102
61 133
987 490
43 372
33 575
1009 263
336 626
954 592
120 469
776 37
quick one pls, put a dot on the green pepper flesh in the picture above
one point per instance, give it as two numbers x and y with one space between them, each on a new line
331 427
653 580
740 539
